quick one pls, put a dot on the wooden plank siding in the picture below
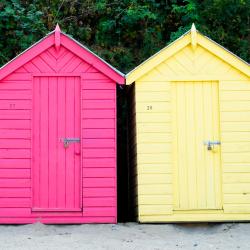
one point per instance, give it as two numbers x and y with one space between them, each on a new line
15 142
154 142
235 137
153 128
98 136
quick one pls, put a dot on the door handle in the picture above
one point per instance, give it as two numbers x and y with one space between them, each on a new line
210 144
67 141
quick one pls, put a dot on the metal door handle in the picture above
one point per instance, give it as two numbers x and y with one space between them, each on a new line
210 144
67 141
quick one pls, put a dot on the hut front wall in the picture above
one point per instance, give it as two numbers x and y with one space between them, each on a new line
98 142
155 136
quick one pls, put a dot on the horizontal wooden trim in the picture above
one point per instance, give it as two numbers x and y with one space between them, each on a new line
15 192
97 172
155 209
56 209
56 74
99 192
189 77
99 201
26 56
17 173
155 199
15 183
156 59
202 217
12 202
223 54
63 219
189 211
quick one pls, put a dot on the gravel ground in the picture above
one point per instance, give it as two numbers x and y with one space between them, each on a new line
126 236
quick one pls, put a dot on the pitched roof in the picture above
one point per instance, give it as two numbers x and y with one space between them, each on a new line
192 37
57 38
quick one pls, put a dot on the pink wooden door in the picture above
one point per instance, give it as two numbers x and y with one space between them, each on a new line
56 165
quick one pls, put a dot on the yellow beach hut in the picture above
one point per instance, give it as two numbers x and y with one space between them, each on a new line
189 137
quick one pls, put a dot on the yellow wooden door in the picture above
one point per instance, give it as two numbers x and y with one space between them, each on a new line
197 175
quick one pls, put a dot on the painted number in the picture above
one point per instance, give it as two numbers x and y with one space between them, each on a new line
12 105
149 107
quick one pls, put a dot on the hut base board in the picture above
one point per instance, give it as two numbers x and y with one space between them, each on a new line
54 220
206 216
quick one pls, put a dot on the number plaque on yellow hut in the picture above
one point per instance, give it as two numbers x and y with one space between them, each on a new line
190 133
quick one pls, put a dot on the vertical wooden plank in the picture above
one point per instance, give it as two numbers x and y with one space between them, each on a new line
182 142
200 148
209 136
44 143
61 124
206 136
53 140
191 161
77 149
214 128
217 155
70 150
36 143
176 177
187 164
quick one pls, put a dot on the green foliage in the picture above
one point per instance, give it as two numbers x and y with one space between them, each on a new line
228 23
124 32
187 14
20 26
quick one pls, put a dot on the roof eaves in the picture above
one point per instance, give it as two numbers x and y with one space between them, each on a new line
157 53
23 52
239 58
86 48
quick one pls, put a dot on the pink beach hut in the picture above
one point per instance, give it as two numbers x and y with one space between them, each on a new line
58 135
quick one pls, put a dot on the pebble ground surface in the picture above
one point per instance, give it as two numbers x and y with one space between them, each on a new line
126 236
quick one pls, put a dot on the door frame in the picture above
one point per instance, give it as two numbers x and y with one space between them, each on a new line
190 211
51 74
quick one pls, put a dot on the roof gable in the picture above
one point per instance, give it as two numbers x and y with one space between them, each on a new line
189 65
194 40
60 61
57 39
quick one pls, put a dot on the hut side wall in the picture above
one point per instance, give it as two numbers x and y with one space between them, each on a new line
132 153
98 132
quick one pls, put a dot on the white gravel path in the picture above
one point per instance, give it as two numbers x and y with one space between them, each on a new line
126 236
